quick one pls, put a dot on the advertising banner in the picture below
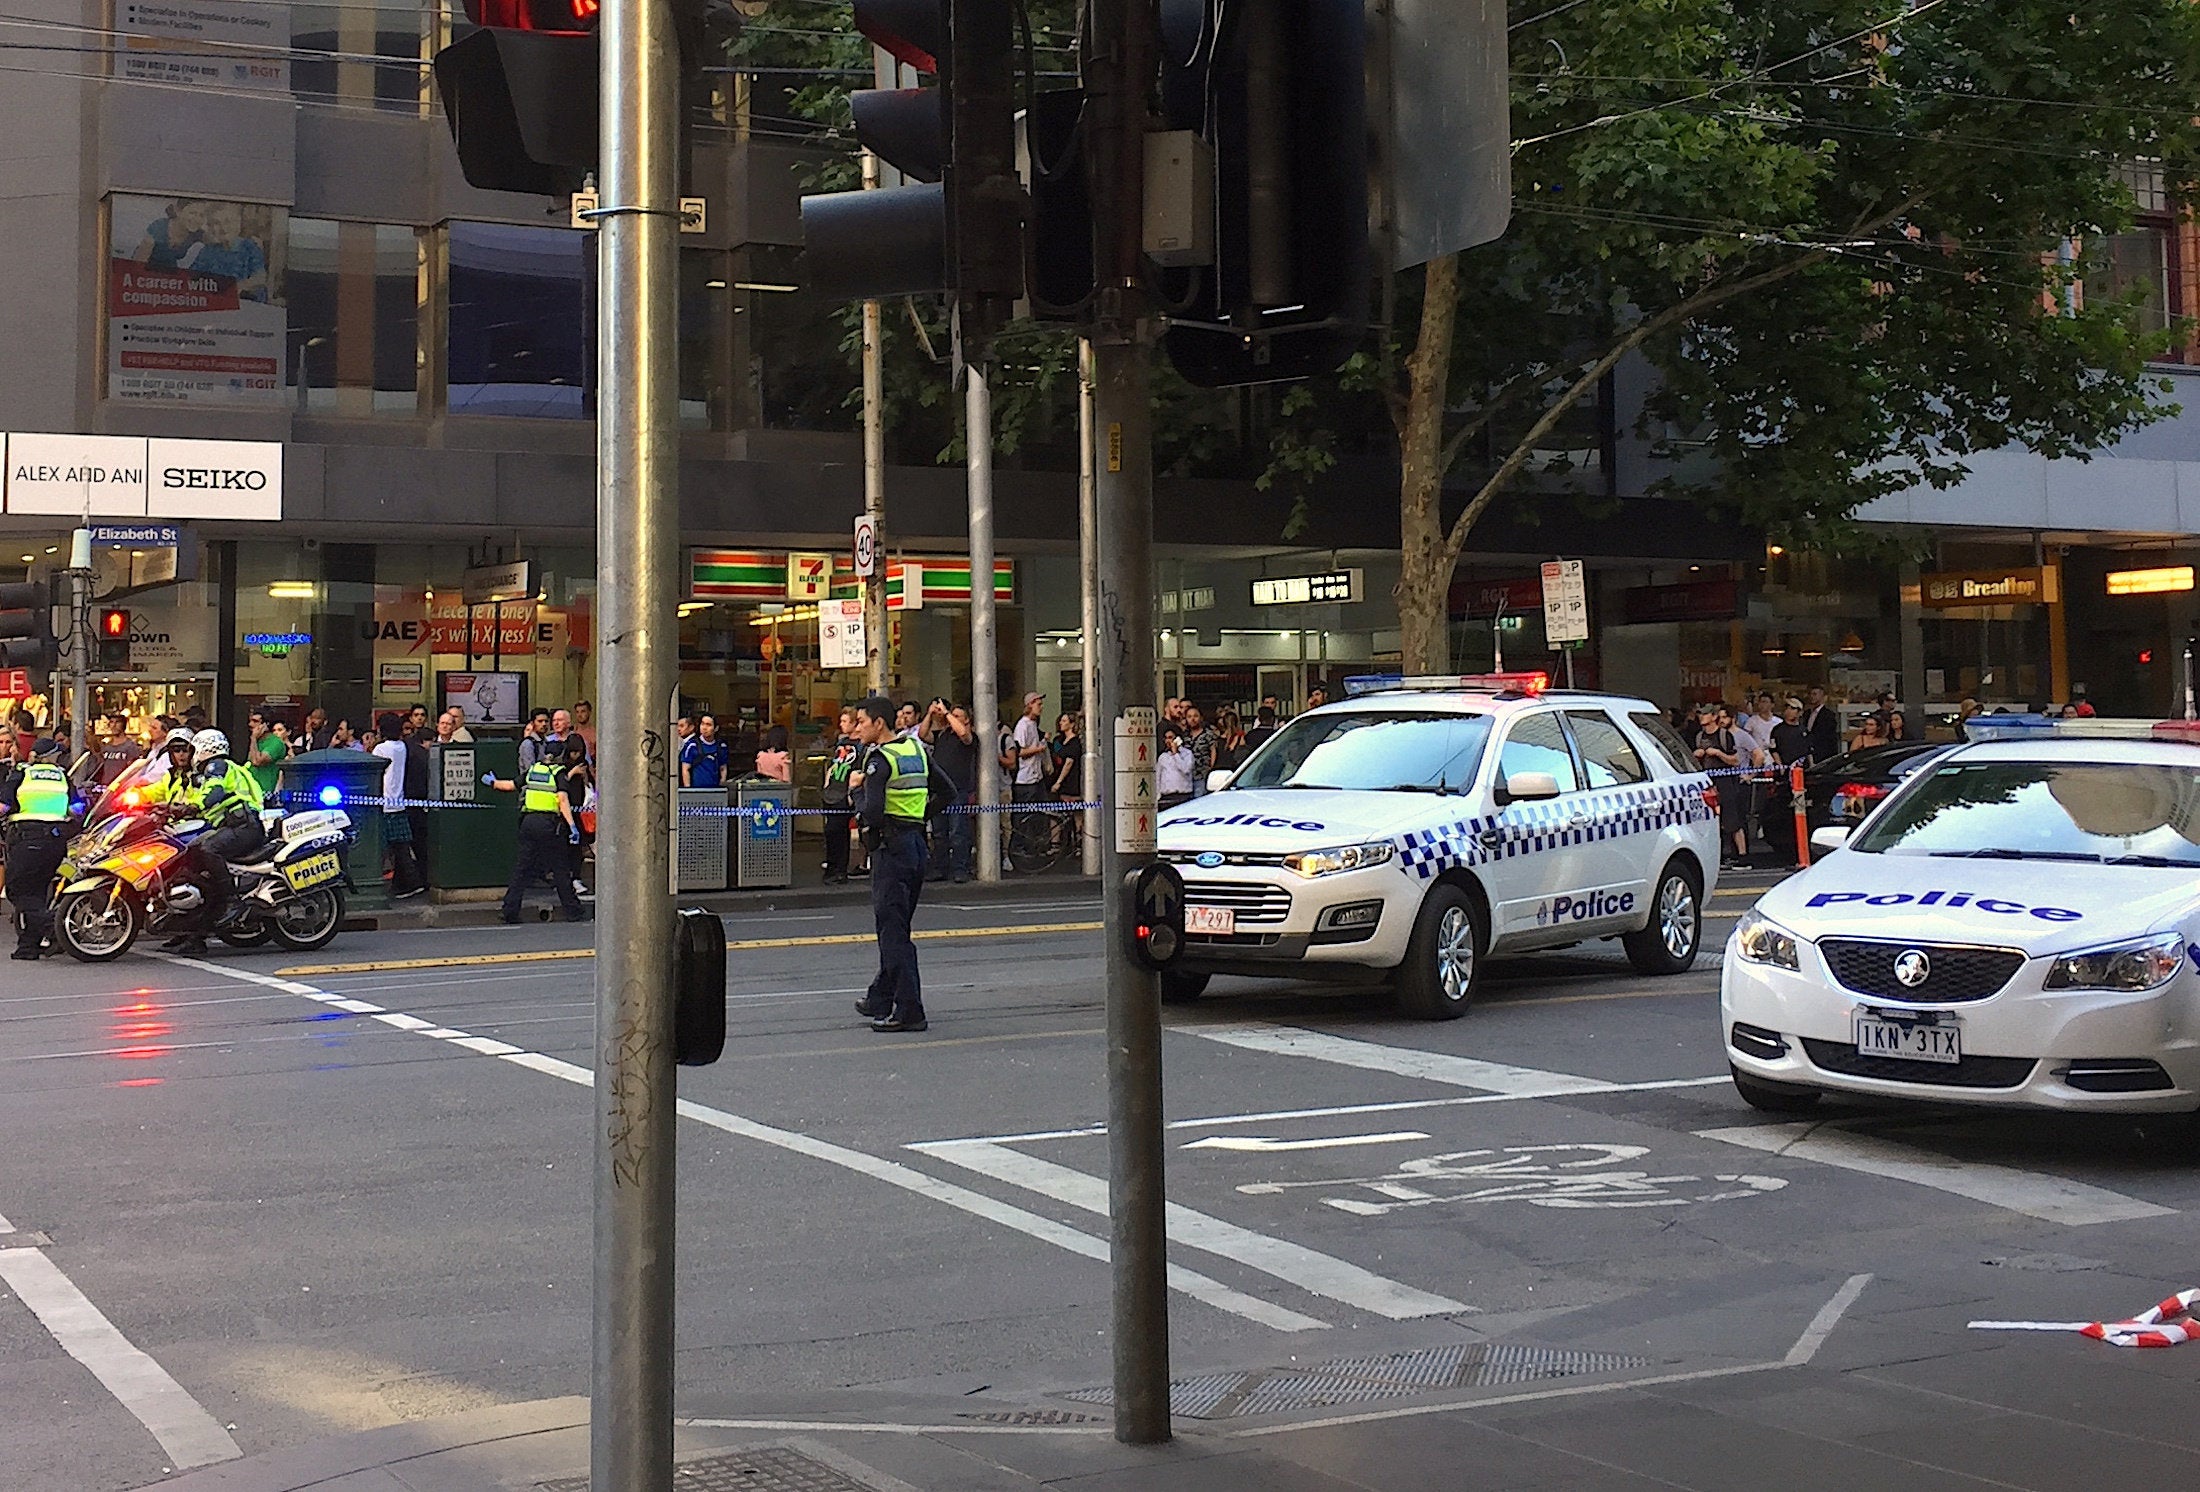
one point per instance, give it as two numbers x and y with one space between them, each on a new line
195 301
204 42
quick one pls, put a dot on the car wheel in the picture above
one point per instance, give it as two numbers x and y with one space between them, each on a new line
1773 1098
1668 944
1182 988
1443 964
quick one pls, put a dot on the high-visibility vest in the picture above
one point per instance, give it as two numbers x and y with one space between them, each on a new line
43 795
909 770
243 795
542 789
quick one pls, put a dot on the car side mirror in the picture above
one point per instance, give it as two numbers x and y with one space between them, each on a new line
1219 779
1830 838
1527 787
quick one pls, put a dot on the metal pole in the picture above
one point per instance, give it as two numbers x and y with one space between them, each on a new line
1088 565
80 646
637 524
1119 66
984 622
874 436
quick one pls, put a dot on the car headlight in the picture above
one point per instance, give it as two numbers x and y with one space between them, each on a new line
1764 941
2144 965
1312 863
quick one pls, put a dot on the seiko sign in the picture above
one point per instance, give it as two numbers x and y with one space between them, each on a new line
133 477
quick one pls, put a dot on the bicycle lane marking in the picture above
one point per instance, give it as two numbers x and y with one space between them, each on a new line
190 1436
1199 1287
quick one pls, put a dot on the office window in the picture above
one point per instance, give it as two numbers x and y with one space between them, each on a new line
382 43
521 321
354 317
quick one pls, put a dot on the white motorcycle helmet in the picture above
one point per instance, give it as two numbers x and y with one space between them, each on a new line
208 746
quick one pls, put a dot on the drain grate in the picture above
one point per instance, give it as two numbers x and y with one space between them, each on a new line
1357 1380
1032 1417
769 1468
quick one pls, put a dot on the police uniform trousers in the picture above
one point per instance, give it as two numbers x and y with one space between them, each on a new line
897 881
543 851
35 852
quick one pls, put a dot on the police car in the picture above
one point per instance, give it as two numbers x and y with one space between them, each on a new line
2017 924
1418 826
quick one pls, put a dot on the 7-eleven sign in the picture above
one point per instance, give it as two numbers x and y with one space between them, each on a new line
809 576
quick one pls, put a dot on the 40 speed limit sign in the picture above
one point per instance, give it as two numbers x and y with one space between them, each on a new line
866 547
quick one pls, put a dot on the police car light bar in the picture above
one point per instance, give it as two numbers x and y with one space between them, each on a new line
2093 728
1529 683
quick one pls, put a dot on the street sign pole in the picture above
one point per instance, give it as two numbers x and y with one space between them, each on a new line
637 525
80 643
1119 67
984 649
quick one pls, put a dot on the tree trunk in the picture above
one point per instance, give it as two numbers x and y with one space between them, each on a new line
1425 559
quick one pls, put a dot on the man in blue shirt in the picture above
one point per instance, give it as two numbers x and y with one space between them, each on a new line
703 759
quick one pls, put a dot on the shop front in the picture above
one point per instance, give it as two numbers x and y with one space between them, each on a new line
1995 634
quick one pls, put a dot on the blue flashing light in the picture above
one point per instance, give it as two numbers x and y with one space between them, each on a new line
331 796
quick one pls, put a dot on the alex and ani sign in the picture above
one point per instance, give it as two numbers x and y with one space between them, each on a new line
2027 585
133 476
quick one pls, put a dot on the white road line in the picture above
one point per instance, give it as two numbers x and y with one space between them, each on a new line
1218 1121
1410 1062
1312 1271
1266 1145
189 1435
1199 1287
2049 1198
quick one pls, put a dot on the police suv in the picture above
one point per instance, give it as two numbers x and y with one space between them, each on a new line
2018 924
1420 825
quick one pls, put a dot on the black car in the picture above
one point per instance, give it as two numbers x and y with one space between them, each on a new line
1844 789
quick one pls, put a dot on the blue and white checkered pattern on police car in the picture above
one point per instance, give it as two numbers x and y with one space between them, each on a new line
1531 828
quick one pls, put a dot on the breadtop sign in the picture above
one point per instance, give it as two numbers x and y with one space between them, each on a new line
140 477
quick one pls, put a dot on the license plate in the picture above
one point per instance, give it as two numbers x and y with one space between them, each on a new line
1220 921
317 870
1907 1040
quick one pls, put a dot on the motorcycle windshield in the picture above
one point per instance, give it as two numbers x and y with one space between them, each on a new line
127 791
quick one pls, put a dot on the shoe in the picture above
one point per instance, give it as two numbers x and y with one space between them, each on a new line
580 887
26 955
193 948
861 872
865 1009
176 944
898 1023
509 921
408 895
583 917
588 896
959 880
836 880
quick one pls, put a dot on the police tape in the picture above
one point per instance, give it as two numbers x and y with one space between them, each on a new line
336 798
2169 1324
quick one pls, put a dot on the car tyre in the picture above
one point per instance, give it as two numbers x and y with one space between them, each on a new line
1669 942
1182 987
1443 963
1773 1098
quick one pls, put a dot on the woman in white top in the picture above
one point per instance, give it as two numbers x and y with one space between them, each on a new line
1174 769
405 877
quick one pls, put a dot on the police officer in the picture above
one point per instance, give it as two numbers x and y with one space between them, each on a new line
549 827
35 806
899 780
227 797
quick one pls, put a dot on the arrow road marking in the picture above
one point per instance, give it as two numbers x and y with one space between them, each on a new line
1263 1145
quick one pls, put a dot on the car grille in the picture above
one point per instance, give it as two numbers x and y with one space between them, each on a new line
1971 1072
1958 974
1233 857
1253 903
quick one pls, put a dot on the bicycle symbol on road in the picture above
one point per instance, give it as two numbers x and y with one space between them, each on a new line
1539 1175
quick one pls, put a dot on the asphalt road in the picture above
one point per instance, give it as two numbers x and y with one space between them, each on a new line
264 1199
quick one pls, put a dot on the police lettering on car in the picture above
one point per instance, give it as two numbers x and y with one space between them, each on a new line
1420 825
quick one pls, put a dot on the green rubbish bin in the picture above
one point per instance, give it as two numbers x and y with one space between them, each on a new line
473 843
352 781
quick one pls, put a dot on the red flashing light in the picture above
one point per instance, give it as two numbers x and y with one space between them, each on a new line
1529 682
132 798
535 15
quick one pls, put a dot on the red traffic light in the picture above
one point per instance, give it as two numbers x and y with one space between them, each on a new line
535 15
115 624
914 32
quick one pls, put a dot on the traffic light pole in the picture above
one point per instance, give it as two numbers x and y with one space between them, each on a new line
80 643
637 527
984 645
875 643
1119 67
1088 571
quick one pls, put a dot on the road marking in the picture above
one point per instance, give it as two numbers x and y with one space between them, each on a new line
550 955
1263 1145
1314 1272
1564 1176
1800 1355
2049 1198
852 1427
1410 1062
1199 1287
189 1435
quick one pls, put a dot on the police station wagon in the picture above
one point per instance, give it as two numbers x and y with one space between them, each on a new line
1413 829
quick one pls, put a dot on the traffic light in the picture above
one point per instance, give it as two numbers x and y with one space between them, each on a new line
1156 920
959 226
1277 88
26 625
520 94
114 639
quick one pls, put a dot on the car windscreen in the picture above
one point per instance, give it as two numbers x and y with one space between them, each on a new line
1409 750
2115 813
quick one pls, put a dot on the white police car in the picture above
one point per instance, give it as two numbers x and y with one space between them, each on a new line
2016 925
1419 825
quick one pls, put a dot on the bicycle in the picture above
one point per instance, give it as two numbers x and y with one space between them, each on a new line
1039 838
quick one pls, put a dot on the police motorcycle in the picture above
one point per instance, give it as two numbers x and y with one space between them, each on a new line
127 876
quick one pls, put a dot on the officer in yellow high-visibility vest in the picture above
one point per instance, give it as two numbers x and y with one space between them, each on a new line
35 806
899 780
549 825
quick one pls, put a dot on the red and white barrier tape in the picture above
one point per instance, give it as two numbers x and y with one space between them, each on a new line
2169 1324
